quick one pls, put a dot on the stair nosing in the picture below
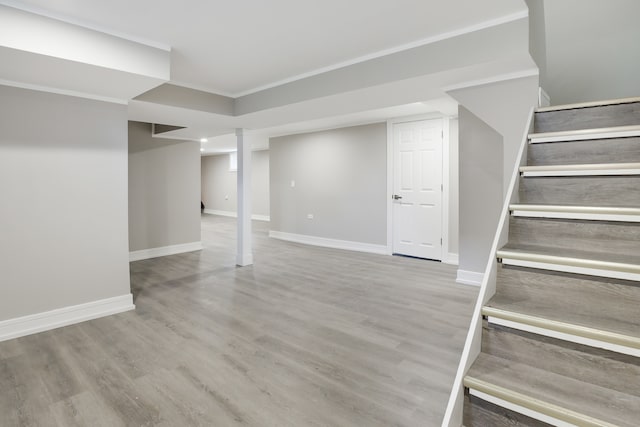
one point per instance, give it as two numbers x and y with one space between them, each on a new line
582 134
580 167
596 334
533 404
569 261
601 210
591 104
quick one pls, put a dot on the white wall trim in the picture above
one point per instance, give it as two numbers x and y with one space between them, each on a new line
329 243
469 278
79 23
64 92
232 214
40 322
531 72
445 177
390 124
164 251
450 258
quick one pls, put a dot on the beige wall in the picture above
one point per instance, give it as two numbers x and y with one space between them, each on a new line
219 184
164 190
340 178
63 215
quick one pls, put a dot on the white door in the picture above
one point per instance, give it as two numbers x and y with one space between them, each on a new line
417 189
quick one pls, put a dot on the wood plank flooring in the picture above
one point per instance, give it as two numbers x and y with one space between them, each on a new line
304 337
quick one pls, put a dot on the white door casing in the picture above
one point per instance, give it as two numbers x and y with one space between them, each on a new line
417 188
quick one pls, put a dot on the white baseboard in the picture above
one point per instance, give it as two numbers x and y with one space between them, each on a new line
221 213
543 98
330 243
164 251
469 278
40 322
235 215
450 258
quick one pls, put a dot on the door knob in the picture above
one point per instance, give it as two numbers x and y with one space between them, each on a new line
396 197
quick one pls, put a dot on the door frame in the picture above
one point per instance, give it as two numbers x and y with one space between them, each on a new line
447 258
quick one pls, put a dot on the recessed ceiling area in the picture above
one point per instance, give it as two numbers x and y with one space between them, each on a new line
286 66
260 138
237 47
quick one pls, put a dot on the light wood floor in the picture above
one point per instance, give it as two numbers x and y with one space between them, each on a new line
305 337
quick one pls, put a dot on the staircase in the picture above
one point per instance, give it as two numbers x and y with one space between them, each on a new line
560 338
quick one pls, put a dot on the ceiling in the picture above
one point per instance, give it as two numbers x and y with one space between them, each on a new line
238 47
274 67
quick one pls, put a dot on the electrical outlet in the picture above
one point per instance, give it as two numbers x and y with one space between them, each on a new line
309 216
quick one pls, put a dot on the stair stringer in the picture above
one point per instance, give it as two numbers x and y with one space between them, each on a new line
454 411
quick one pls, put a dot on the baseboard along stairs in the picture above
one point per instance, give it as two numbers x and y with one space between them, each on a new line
555 338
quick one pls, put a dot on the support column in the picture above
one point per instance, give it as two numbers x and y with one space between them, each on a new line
245 250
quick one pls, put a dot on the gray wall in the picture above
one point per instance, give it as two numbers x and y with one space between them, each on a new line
481 190
340 177
164 190
498 113
454 173
219 185
505 107
592 49
537 38
63 215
